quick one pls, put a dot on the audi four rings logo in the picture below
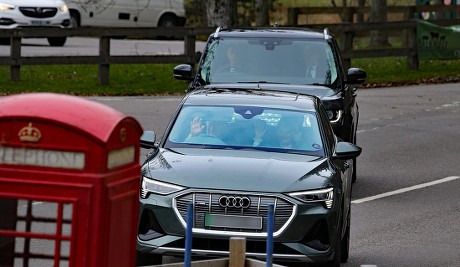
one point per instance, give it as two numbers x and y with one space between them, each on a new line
234 202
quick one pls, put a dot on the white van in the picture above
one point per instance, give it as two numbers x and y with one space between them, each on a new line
127 13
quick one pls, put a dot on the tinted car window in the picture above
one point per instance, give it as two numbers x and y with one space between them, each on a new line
274 60
246 127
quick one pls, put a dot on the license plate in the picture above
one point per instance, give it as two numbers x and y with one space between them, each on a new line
233 221
40 22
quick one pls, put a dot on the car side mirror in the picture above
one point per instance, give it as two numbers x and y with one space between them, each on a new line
148 140
345 150
356 76
183 72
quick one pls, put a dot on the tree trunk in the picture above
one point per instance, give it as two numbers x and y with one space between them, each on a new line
261 12
360 16
379 14
221 13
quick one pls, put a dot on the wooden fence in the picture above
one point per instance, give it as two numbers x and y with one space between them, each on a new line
346 33
350 14
104 59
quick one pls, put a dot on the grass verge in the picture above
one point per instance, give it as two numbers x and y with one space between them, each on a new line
157 79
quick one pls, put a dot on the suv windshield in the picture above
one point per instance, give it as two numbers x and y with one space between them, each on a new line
240 127
270 60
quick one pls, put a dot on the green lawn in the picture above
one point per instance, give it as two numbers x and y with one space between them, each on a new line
157 79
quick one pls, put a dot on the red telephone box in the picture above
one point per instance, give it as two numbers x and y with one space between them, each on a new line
69 182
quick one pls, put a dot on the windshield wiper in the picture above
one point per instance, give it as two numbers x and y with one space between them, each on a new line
323 84
265 82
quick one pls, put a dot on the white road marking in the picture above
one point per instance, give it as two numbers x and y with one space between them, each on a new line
404 190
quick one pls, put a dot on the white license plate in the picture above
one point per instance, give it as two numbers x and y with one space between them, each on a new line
40 22
232 221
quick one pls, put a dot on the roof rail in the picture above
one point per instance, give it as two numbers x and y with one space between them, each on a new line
216 33
327 36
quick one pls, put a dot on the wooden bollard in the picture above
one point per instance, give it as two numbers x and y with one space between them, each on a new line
237 252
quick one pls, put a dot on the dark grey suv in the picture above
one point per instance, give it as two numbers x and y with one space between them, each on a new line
281 59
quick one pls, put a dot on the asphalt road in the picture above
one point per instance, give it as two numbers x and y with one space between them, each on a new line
81 46
406 202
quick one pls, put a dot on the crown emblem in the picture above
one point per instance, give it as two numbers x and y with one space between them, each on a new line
29 134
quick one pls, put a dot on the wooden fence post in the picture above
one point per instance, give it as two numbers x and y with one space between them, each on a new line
412 59
237 256
189 48
104 53
293 14
347 46
15 67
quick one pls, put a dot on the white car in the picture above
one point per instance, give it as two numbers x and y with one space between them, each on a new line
35 13
127 13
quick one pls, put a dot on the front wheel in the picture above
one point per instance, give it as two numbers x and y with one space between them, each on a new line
353 175
74 20
335 262
345 246
5 41
57 41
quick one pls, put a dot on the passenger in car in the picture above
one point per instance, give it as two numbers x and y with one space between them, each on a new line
316 66
234 63
290 134
200 128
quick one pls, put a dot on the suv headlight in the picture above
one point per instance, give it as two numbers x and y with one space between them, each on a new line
321 195
157 187
6 7
334 115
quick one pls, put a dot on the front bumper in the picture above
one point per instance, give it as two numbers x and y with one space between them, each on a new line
306 234
15 19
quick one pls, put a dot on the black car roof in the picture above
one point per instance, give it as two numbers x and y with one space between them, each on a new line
273 32
247 97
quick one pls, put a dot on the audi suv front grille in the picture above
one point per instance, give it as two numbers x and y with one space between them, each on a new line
246 206
38 12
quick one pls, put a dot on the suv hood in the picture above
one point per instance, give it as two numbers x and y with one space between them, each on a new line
238 170
316 90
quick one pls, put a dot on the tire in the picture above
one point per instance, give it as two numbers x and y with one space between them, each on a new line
335 262
166 21
5 41
345 246
74 20
143 259
353 175
57 41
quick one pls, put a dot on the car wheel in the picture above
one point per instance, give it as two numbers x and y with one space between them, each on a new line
5 41
165 22
335 262
353 174
57 41
74 20
143 259
345 246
